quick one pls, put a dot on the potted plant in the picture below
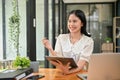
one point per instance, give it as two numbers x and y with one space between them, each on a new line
21 62
108 39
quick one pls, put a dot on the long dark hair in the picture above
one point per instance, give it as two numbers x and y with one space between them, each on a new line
80 14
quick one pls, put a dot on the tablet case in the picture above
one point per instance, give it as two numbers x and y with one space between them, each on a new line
63 60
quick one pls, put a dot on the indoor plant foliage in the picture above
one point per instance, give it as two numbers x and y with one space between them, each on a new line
108 39
21 62
14 30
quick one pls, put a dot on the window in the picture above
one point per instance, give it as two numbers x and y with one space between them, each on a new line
1 32
4 24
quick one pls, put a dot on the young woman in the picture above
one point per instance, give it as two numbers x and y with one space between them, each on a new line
76 44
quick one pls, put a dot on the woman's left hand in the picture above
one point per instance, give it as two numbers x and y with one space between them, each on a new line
63 68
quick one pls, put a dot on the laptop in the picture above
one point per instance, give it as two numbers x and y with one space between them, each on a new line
104 66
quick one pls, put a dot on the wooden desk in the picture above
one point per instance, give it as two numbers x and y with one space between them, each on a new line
55 74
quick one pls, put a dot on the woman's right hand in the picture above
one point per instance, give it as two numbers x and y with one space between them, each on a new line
59 65
47 44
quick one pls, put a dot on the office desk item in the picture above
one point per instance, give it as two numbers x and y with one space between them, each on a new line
63 60
34 65
35 77
104 67
82 76
15 74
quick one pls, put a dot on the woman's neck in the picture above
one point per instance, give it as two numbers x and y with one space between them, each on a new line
75 37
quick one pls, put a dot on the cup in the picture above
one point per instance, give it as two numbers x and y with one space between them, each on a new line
35 66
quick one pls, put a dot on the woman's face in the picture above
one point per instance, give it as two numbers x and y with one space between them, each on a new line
74 24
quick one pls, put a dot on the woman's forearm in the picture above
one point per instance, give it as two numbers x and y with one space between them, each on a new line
52 52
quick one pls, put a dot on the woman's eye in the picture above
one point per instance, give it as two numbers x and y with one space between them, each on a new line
69 21
74 21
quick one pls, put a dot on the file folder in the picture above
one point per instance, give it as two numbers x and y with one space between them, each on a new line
15 74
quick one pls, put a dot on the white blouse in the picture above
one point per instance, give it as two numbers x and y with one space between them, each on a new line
81 50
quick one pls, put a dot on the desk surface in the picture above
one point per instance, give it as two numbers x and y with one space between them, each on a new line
55 74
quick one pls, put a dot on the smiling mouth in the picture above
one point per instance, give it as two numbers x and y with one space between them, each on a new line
72 28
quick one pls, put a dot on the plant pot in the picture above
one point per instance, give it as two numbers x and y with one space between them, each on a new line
107 41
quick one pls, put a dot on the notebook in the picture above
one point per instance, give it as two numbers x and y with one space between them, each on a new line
15 74
103 67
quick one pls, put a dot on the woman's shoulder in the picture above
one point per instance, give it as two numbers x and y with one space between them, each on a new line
87 38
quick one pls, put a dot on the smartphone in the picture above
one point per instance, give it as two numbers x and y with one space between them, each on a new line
35 77
41 76
82 76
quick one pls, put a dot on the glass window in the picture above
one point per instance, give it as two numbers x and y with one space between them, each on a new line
1 32
39 29
10 50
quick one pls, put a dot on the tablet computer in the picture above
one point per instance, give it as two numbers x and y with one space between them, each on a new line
63 60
